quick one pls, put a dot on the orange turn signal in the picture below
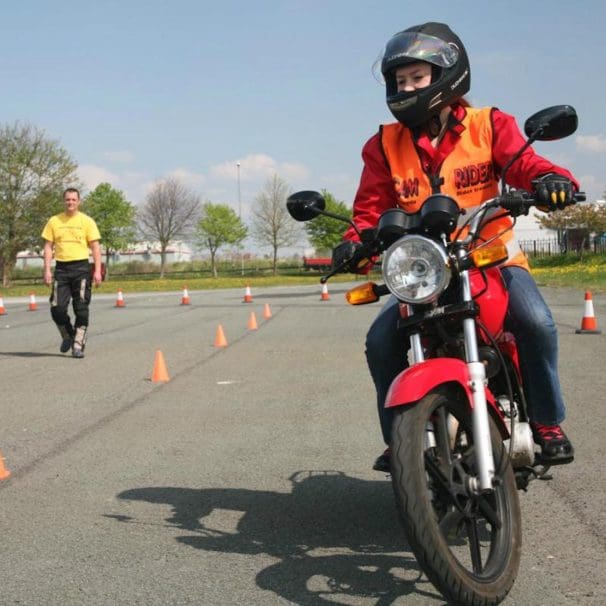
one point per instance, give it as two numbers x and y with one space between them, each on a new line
364 293
491 255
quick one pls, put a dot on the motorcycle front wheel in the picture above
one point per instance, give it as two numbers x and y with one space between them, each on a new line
467 544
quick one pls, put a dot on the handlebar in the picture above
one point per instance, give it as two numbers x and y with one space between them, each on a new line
515 201
518 202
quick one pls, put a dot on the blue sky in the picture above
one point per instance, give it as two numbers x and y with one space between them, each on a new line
139 90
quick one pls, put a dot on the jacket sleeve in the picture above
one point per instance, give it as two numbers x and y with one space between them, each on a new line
376 192
507 139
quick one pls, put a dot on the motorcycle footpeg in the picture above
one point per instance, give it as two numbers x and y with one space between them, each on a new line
548 461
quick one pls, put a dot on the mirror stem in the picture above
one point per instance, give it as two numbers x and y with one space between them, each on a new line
340 218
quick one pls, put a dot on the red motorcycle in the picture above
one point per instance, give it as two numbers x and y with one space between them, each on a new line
461 440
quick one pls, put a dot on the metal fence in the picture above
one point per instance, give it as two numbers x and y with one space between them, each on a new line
549 247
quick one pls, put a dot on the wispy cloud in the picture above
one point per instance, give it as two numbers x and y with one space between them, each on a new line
219 183
255 167
134 185
592 143
92 175
593 186
188 178
342 185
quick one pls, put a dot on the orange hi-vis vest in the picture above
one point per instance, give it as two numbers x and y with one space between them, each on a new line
467 174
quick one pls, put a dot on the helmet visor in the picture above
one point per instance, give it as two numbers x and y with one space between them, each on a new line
406 47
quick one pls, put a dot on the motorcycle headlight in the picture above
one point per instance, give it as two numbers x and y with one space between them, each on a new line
416 269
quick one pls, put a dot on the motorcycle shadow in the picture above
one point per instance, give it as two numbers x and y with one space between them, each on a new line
336 536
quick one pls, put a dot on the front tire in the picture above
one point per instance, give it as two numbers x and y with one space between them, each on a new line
468 544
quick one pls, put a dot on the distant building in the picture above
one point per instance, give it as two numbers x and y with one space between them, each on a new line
27 259
528 228
147 252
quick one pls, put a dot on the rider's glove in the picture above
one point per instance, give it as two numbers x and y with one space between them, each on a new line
553 192
349 254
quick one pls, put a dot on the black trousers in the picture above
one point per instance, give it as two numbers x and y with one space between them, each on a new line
72 280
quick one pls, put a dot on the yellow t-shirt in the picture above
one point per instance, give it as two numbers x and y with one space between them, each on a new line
71 235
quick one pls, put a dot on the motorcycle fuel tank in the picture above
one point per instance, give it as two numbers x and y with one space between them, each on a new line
490 293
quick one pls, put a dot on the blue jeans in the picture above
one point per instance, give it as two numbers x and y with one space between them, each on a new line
528 319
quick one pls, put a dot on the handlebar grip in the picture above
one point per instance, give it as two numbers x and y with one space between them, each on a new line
580 196
517 201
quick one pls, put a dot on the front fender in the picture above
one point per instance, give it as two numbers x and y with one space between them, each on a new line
417 381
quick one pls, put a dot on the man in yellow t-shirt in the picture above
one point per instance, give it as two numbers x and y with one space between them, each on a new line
71 234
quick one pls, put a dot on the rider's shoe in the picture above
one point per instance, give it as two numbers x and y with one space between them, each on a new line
66 344
382 462
79 342
67 336
556 448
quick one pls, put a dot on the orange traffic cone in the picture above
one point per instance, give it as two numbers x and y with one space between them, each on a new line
324 296
2 309
32 302
4 472
252 321
220 340
159 373
589 326
120 299
247 295
266 311
185 297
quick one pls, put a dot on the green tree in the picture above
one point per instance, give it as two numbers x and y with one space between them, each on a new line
219 226
588 218
115 218
34 171
325 233
271 223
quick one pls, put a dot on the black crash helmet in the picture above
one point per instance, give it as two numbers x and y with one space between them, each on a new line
434 43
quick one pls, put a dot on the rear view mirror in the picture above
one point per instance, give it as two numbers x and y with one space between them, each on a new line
551 123
305 205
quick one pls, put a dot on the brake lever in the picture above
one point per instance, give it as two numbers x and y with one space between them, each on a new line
333 272
343 265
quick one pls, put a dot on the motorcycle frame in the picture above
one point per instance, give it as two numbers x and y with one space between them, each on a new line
425 375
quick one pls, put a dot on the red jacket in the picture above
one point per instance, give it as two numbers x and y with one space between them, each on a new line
376 192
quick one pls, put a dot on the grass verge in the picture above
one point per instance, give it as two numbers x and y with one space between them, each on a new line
569 271
177 284
584 273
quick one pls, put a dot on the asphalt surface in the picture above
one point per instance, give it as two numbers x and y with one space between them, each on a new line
246 478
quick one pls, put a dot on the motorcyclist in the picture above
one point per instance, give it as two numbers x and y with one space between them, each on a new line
441 144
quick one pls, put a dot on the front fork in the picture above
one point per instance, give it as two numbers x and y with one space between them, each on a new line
477 385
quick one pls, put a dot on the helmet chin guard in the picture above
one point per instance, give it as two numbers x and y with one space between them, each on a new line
438 45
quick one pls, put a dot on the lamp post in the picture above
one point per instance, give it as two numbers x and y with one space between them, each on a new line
240 216
239 198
